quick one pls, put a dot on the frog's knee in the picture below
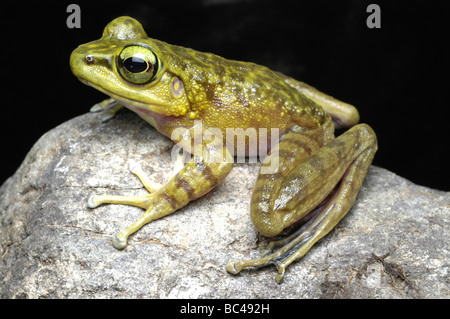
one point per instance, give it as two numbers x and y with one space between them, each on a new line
366 135
366 130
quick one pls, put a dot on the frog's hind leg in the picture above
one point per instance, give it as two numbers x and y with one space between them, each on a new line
293 233
337 185
343 114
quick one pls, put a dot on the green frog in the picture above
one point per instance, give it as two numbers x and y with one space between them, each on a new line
184 94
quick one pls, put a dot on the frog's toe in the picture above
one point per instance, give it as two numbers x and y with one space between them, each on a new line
150 185
93 202
134 167
119 242
96 108
265 251
106 116
233 267
108 107
279 277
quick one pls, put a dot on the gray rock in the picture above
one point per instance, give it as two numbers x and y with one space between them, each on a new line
394 242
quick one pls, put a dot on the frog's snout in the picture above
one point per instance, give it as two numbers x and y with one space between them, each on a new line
75 61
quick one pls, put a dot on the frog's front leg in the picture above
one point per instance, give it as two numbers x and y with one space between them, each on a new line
317 192
210 164
139 201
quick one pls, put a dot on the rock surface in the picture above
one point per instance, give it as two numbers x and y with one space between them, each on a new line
394 243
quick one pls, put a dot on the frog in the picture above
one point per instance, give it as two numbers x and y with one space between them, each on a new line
183 93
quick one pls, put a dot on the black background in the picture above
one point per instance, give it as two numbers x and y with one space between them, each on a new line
396 76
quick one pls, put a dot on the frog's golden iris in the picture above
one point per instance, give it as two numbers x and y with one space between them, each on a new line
172 87
137 64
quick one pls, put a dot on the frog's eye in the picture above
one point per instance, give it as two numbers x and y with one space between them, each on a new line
137 64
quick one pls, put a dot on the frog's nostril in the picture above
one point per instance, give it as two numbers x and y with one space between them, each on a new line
89 58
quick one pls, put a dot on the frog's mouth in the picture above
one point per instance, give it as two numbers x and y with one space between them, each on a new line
129 103
156 119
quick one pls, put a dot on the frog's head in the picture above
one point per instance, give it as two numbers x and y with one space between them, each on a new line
124 64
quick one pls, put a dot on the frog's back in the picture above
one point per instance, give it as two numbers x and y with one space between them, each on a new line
239 94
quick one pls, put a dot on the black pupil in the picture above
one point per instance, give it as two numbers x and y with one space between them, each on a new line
135 65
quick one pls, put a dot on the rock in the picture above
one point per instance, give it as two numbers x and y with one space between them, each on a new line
394 243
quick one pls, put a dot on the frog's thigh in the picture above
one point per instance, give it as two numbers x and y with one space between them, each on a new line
359 146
